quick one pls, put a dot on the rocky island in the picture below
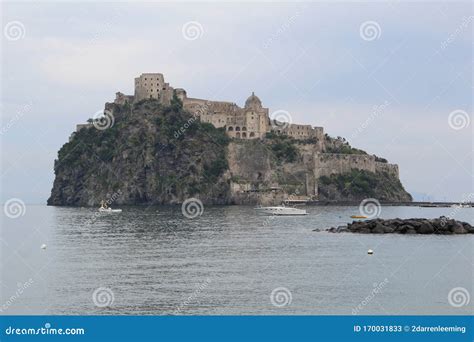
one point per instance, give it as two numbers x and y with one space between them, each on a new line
161 147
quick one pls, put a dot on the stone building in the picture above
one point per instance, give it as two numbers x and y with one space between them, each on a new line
300 131
153 86
250 122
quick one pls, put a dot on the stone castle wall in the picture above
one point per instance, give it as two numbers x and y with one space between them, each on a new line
391 169
326 164
336 163
300 131
252 169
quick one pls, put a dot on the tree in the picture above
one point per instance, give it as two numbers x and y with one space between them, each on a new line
176 104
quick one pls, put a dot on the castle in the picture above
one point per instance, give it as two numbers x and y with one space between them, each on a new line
250 122
251 170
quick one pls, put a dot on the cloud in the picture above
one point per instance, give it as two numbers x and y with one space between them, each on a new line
306 58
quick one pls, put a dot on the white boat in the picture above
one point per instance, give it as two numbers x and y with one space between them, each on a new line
281 211
110 210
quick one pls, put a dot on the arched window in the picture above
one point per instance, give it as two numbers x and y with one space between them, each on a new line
237 129
244 135
230 129
252 134
244 128
237 135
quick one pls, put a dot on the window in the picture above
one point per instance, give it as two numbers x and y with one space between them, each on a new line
230 128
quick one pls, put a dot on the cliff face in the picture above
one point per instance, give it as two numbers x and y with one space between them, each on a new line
161 155
143 158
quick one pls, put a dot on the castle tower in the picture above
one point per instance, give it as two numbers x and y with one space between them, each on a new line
256 117
153 86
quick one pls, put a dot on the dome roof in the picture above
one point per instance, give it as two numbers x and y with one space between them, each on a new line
253 101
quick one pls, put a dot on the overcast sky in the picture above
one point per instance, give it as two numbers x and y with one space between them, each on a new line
384 76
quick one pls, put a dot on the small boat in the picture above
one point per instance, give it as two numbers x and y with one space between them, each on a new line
104 208
281 211
110 210
359 216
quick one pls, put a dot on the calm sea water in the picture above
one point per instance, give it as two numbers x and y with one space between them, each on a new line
227 261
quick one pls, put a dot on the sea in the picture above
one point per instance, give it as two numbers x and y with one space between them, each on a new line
228 260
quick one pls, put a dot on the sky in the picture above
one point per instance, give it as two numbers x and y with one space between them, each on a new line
393 78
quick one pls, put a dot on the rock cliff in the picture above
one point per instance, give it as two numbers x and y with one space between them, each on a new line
150 154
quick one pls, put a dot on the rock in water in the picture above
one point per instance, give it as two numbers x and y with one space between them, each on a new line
441 225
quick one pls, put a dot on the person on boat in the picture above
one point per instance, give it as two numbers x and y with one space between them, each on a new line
103 205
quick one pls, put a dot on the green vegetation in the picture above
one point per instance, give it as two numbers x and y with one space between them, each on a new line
283 147
87 144
340 145
161 151
344 149
357 182
213 170
379 159
272 135
176 104
275 136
